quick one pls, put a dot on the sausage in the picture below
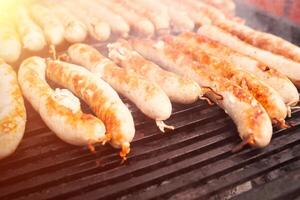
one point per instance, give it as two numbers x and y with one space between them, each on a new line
138 23
100 97
209 11
9 40
263 93
158 14
144 94
253 122
12 111
287 67
97 29
30 33
59 109
262 40
198 18
51 25
75 30
179 19
117 24
226 6
285 88
179 89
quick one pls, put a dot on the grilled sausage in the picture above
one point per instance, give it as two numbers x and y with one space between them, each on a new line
75 30
198 18
138 23
254 124
9 40
287 67
262 40
158 14
117 24
226 6
51 25
263 93
12 111
180 21
272 77
30 33
209 11
97 29
101 98
144 94
179 89
59 109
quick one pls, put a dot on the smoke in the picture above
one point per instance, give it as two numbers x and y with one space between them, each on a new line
263 20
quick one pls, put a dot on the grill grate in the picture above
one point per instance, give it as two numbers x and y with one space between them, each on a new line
192 162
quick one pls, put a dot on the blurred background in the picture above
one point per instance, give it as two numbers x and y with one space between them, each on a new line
289 9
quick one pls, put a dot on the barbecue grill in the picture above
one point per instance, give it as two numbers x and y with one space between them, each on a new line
193 162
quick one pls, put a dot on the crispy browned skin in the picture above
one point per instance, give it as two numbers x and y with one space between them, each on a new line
144 94
101 98
259 39
9 124
252 120
68 123
226 6
206 43
262 40
55 108
12 111
266 95
178 88
79 82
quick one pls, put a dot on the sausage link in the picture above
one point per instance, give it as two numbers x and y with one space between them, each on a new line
266 95
179 89
253 122
287 67
12 111
59 109
147 96
100 97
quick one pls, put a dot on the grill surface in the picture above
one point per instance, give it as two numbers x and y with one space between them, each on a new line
192 162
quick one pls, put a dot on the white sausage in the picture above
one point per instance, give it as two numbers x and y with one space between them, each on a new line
226 6
287 67
138 23
198 18
101 98
10 45
117 24
179 89
262 40
158 14
75 30
263 93
147 96
31 34
97 29
253 122
51 25
12 111
179 19
272 77
59 109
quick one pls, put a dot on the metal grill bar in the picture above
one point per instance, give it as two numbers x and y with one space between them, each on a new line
194 161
